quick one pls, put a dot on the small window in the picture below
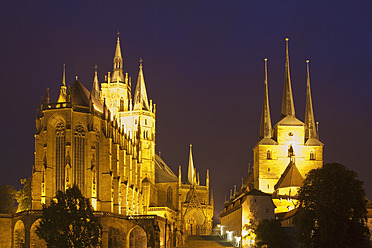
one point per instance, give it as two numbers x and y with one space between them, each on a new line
268 169
135 122
121 104
312 155
268 186
145 121
268 154
267 210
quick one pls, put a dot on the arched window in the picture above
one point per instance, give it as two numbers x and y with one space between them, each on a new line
79 156
60 133
312 155
169 195
268 154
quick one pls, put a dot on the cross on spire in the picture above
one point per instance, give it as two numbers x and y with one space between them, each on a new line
118 33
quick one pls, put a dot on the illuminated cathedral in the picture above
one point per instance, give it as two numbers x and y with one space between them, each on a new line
103 141
283 155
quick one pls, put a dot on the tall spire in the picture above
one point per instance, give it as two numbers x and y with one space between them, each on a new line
117 74
191 170
62 94
140 95
265 127
287 102
309 113
95 88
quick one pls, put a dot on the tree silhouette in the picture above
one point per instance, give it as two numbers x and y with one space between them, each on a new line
7 199
332 209
270 233
69 221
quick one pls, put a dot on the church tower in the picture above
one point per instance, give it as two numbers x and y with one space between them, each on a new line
136 117
291 146
116 89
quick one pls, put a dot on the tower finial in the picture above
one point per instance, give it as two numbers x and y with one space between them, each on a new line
140 61
287 101
311 130
265 126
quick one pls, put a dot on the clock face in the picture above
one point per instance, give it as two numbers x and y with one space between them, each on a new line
290 134
113 95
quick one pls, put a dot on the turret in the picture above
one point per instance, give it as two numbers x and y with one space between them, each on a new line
95 87
287 101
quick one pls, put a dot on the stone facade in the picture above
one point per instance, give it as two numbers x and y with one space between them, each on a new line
103 141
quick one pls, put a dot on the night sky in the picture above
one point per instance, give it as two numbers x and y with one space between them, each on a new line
203 67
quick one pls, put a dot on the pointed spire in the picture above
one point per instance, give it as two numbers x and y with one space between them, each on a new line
117 74
265 126
191 170
179 175
207 179
140 95
311 131
95 88
62 95
287 102
64 75
211 201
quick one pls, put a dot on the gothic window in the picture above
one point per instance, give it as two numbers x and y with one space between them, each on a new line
268 169
268 154
121 104
169 195
135 122
68 176
97 158
79 156
312 155
145 121
60 133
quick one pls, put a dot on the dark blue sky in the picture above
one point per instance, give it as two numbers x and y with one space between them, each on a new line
203 65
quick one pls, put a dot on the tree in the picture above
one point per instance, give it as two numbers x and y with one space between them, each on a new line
23 195
7 199
332 209
69 221
270 233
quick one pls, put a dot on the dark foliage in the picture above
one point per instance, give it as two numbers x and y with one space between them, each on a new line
7 199
23 196
332 210
270 233
69 222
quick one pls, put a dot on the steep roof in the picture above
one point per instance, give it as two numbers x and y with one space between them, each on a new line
80 97
291 177
163 174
